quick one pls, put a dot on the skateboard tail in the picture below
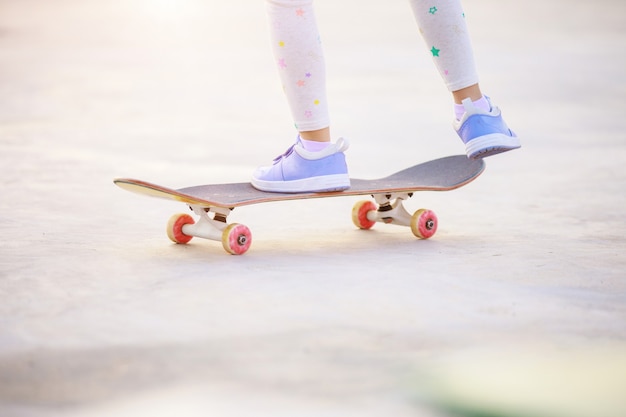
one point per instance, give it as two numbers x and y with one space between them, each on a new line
152 190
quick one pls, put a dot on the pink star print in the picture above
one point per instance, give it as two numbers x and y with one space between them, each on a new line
281 63
300 12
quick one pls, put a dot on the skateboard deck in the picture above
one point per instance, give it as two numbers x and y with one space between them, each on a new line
220 199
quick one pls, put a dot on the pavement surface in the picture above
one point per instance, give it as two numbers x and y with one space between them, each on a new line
101 315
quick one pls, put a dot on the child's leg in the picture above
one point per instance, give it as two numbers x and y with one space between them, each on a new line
312 163
443 27
479 124
300 60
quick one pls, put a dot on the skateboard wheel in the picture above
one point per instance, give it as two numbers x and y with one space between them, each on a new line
424 223
236 239
359 214
175 228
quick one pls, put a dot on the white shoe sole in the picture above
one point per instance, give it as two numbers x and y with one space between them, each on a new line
490 145
326 183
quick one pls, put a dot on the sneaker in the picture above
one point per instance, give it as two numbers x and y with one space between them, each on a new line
301 171
484 133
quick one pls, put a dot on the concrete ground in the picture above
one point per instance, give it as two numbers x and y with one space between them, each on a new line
101 315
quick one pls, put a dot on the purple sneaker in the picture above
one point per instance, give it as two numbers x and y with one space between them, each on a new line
301 171
484 134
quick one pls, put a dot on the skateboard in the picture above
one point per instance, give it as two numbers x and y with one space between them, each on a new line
213 203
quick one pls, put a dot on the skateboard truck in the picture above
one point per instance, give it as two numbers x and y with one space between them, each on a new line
236 238
391 210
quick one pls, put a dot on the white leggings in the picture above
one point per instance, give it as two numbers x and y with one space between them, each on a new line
300 60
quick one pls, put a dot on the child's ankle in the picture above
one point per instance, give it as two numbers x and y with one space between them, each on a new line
482 104
313 145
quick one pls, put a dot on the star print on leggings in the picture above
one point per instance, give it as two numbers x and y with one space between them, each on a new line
435 51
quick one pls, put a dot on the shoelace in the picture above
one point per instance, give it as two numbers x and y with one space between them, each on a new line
284 155
340 146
